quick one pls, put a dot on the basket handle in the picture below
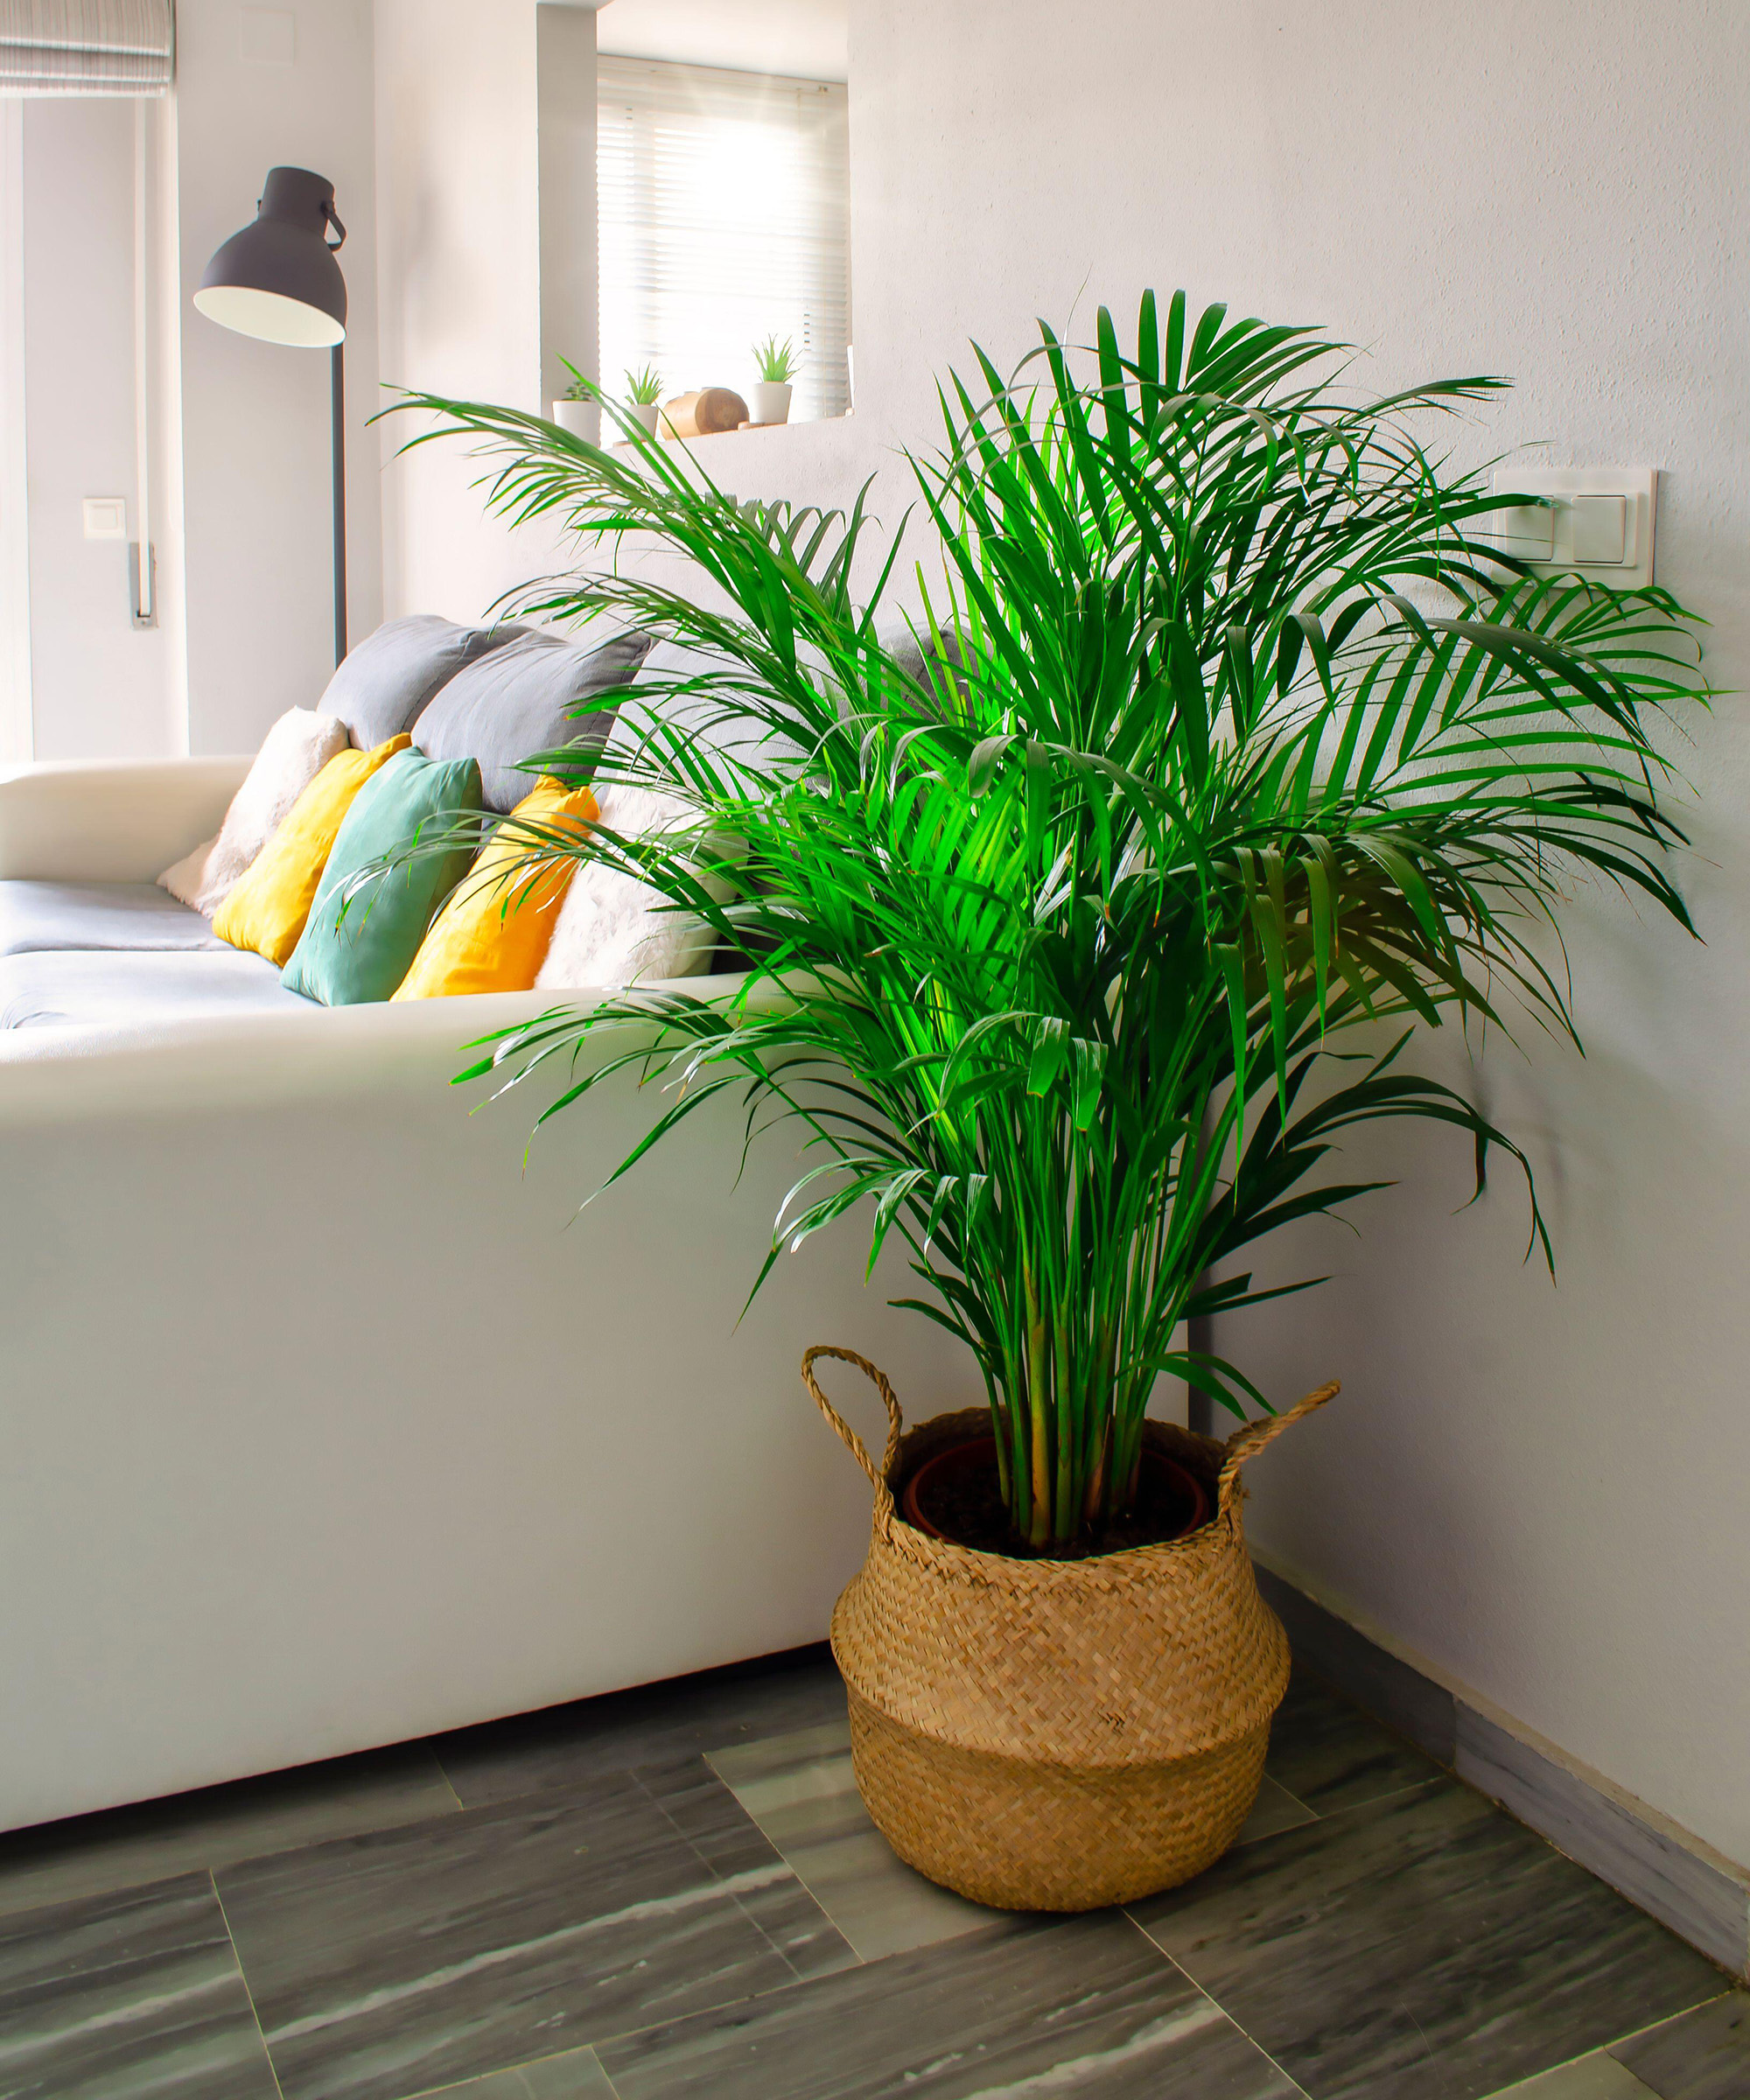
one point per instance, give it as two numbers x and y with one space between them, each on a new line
853 1443
1251 1437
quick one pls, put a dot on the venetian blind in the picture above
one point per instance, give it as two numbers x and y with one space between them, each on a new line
725 218
86 47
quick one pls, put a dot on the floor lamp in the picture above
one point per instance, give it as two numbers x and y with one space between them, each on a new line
278 281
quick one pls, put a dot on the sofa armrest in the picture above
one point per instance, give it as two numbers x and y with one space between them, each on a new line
110 820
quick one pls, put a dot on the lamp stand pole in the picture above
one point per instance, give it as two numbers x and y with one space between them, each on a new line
338 407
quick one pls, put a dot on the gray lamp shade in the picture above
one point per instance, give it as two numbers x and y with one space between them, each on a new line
278 279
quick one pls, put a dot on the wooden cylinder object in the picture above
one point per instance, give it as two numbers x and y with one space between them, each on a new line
703 412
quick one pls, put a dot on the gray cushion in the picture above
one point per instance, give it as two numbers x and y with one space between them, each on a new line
387 680
112 989
37 916
524 699
907 651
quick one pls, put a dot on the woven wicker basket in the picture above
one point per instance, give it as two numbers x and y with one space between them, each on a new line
1057 1735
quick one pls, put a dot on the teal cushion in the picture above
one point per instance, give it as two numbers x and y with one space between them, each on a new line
358 947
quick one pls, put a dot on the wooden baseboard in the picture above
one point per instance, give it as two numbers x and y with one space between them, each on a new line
1667 1871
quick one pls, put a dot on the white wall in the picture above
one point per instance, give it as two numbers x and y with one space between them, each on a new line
565 116
255 416
1541 1491
458 201
98 685
15 539
802 39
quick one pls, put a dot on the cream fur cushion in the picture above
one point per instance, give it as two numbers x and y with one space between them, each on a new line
613 930
294 750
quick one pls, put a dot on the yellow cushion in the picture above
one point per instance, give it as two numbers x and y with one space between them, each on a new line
491 935
267 907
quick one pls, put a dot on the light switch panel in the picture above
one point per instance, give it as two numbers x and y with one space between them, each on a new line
106 517
1594 521
1599 535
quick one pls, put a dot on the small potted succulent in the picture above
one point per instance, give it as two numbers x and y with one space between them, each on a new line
579 410
644 396
776 364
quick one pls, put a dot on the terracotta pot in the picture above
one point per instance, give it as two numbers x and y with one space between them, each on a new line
978 1454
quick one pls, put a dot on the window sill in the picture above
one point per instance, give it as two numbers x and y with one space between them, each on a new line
812 422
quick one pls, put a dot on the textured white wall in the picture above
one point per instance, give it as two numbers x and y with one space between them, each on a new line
458 200
1543 1491
255 416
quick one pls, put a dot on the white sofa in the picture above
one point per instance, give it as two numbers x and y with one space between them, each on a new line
323 1424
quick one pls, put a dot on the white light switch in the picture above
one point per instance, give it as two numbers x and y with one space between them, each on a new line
1597 531
1595 521
1530 532
106 517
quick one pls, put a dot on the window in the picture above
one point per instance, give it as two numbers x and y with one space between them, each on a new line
724 202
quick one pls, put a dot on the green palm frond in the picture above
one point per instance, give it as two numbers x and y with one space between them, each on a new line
1237 733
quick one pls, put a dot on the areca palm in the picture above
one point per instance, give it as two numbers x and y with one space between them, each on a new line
1236 738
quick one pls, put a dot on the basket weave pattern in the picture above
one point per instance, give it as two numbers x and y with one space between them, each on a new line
1058 1735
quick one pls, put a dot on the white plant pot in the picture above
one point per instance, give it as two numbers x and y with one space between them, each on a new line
771 403
646 412
582 419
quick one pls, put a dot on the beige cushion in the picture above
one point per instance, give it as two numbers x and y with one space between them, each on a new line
613 930
294 749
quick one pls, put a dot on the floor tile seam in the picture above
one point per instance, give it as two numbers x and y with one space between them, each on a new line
1568 2063
1374 1800
1210 1998
858 1958
599 2043
1305 1807
510 2070
602 2068
1665 2019
734 1896
449 1784
243 1978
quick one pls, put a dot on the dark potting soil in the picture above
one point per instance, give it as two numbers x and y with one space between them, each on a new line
965 1501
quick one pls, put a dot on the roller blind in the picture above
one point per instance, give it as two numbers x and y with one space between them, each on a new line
86 47
725 218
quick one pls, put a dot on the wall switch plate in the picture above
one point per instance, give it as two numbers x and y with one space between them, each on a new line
106 517
1596 520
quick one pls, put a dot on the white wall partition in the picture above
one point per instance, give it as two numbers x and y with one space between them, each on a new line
458 188
255 416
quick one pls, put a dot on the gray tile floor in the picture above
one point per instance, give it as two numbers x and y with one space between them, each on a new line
676 1892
